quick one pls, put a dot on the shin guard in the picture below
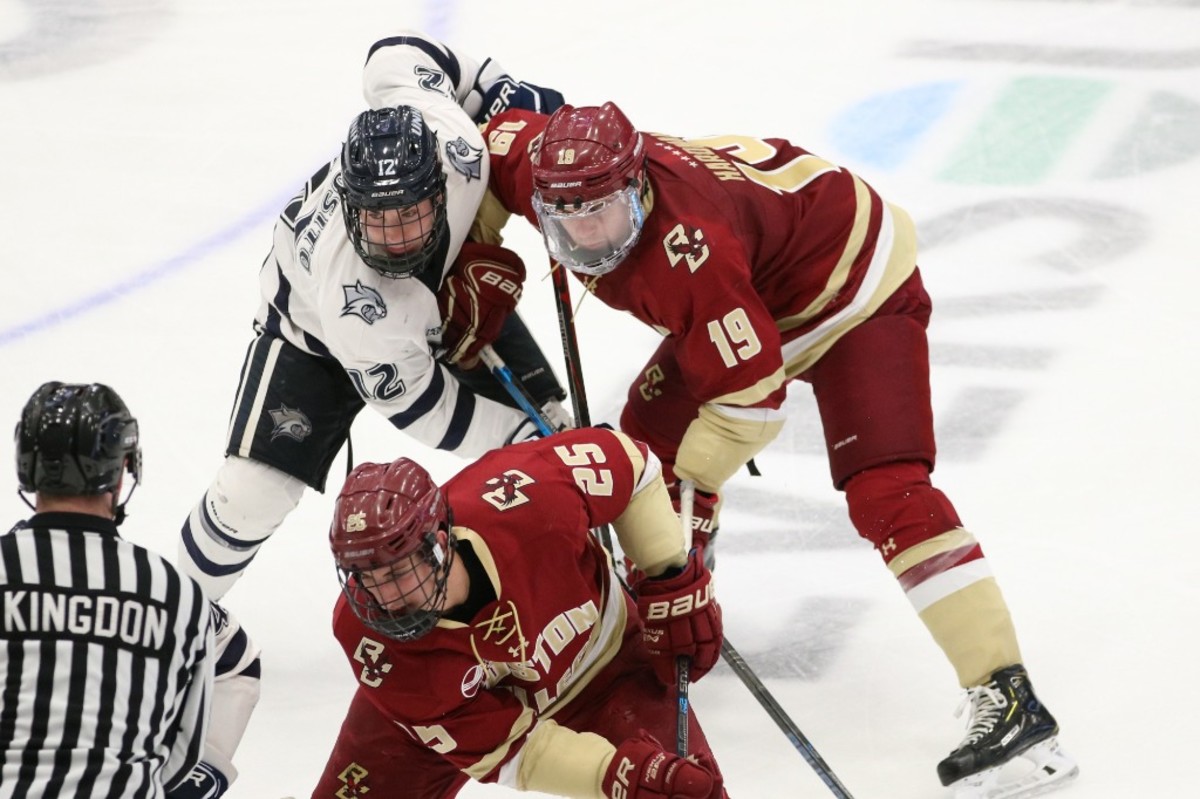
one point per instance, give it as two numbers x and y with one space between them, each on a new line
940 566
241 509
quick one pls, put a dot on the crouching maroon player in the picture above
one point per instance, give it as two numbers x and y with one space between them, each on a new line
492 640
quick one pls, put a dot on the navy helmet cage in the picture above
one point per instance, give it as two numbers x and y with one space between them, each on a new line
76 440
390 160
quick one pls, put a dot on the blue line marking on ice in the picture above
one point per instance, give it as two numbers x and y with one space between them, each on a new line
144 279
883 130
439 18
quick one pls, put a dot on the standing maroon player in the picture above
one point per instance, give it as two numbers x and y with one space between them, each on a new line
490 636
762 263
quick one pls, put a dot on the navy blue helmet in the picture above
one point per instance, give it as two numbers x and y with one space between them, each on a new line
393 191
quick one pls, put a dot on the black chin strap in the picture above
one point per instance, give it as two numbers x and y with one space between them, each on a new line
118 510
25 499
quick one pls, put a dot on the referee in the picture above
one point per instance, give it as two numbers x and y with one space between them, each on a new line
108 653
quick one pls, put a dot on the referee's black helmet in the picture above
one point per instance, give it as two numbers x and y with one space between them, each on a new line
76 440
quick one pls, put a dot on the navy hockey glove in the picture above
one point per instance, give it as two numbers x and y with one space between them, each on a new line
501 92
479 292
642 769
680 616
205 781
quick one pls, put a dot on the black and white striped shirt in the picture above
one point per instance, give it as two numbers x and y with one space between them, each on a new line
107 659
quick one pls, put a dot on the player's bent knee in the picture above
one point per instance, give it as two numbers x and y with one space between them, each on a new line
895 507
249 500
245 504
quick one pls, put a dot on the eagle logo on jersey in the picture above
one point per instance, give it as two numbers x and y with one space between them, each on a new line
686 244
432 80
648 389
374 662
364 302
505 493
353 779
290 423
465 159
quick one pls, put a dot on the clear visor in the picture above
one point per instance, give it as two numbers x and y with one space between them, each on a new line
594 238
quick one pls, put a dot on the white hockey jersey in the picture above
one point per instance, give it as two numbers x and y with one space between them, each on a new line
403 67
385 332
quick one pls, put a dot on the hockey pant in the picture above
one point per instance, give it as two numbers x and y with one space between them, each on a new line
291 416
872 392
373 754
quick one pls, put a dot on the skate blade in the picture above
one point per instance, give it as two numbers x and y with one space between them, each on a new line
1040 769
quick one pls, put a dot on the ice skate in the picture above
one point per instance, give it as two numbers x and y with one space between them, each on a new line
1011 748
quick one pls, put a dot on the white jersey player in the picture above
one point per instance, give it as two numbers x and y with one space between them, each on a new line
357 307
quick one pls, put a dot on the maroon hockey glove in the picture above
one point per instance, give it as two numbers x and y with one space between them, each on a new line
479 292
680 616
705 510
641 769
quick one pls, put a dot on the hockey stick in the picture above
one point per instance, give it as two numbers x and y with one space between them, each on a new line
683 663
570 343
566 327
781 718
515 389
687 496
566 324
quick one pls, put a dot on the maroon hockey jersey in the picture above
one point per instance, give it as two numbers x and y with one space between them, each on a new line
756 255
473 691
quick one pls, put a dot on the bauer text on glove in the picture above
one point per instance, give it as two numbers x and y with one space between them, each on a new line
479 292
680 616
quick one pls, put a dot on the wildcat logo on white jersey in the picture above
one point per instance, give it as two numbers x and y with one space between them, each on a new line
465 159
364 302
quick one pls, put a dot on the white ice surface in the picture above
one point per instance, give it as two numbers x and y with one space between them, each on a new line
148 145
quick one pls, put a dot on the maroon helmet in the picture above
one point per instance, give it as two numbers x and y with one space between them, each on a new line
587 178
384 538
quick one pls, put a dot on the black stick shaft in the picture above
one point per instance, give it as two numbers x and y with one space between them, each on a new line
566 327
781 718
683 665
